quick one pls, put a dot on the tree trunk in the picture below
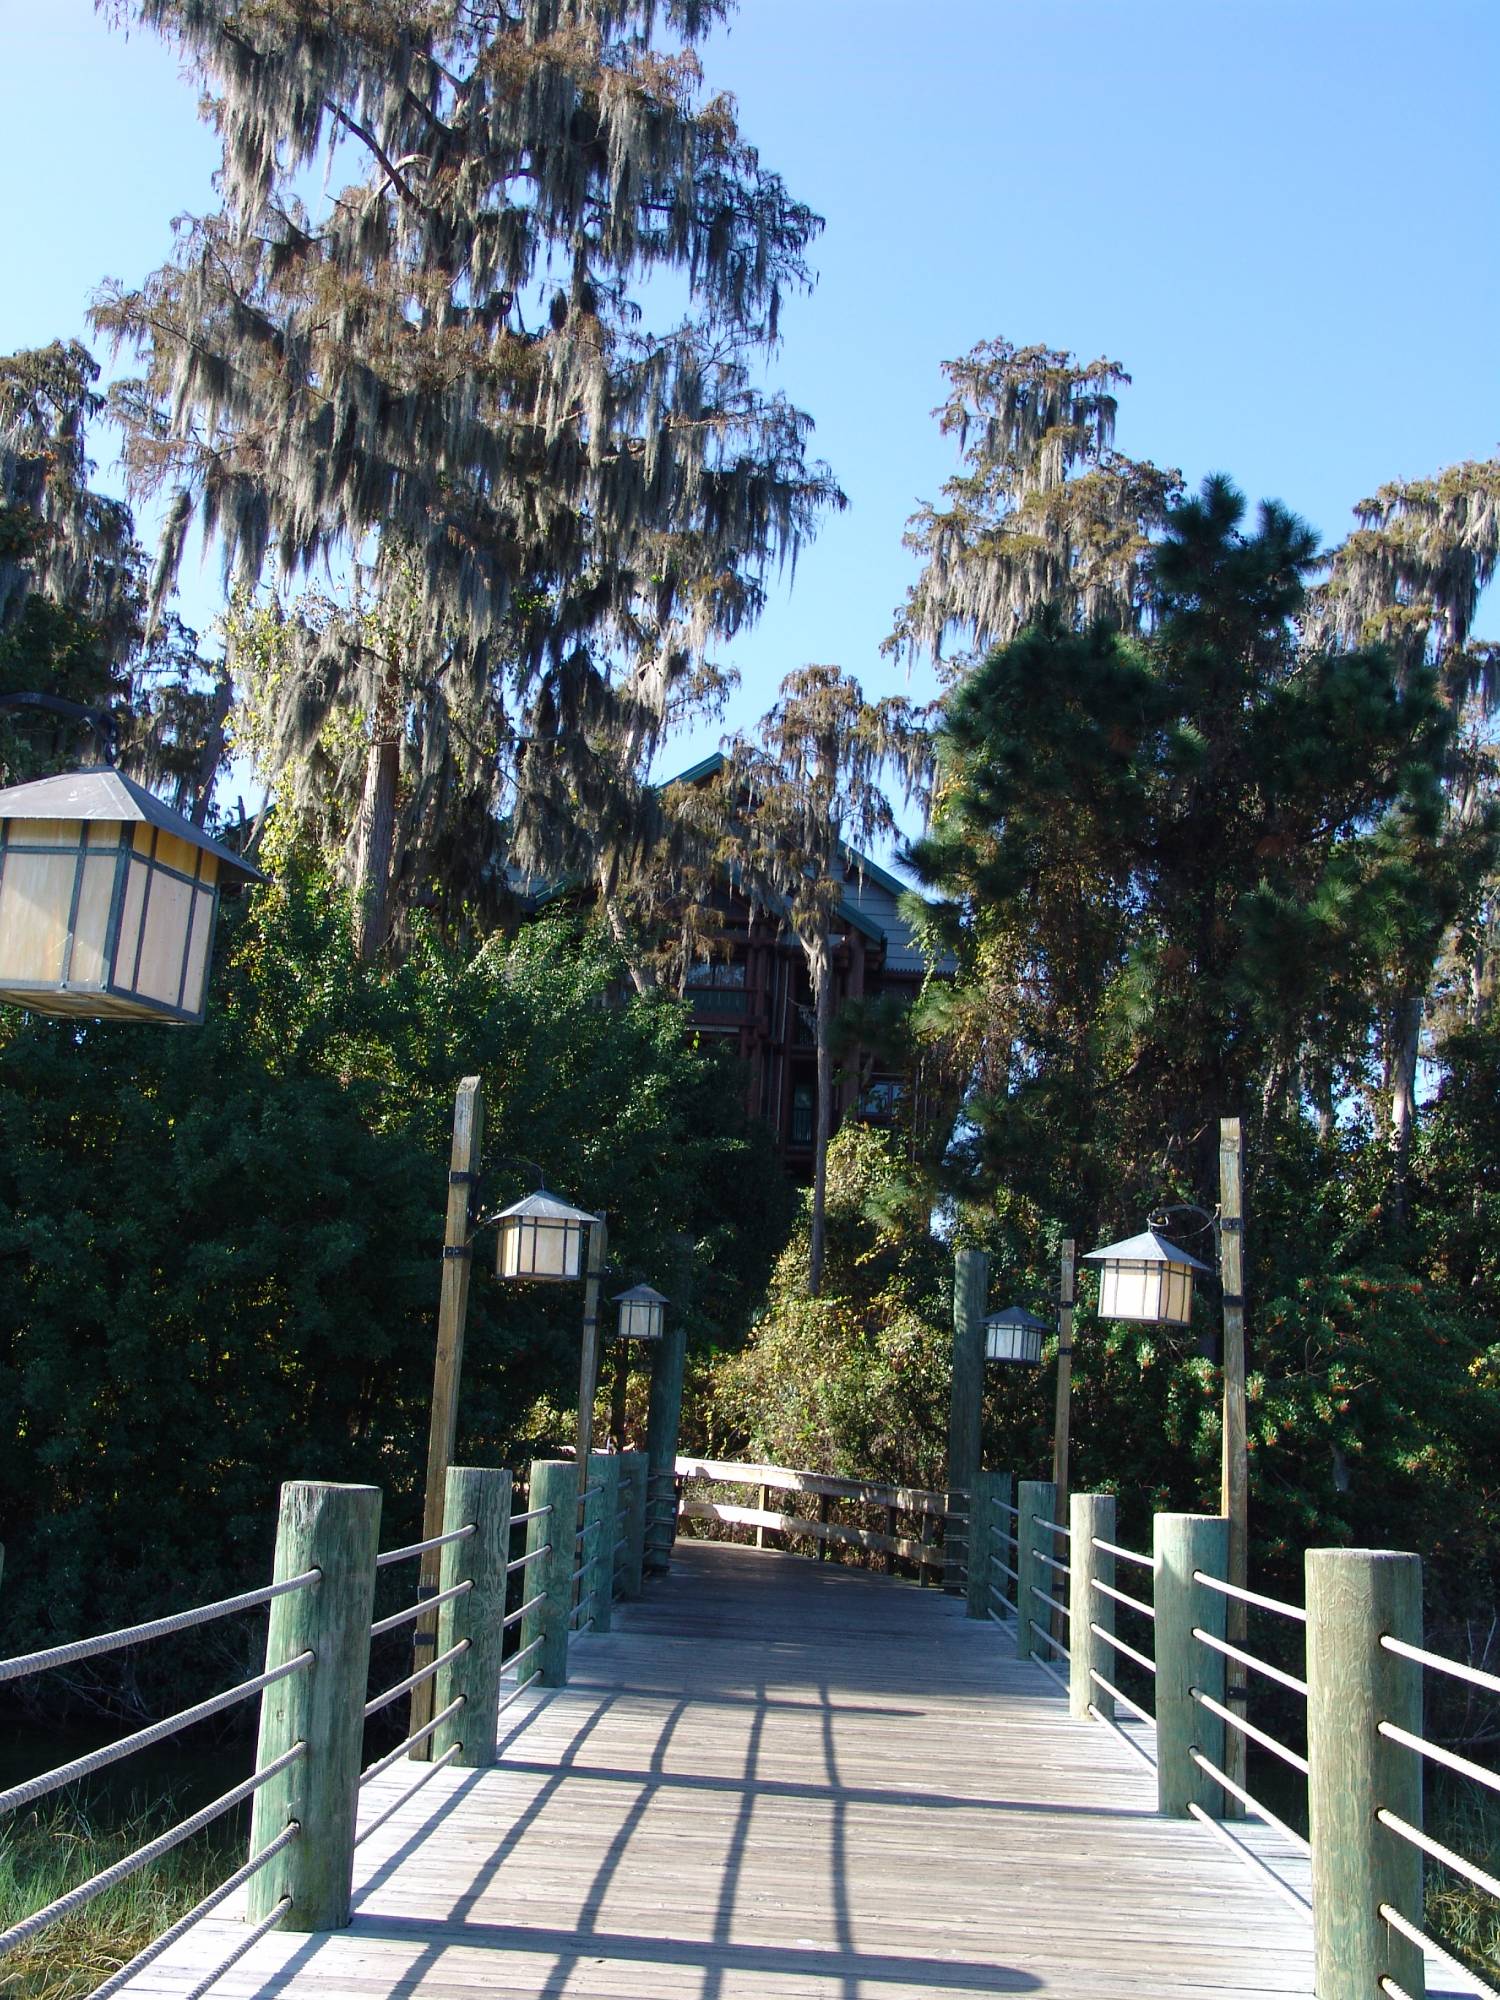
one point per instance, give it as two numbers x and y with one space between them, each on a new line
618 1395
377 840
619 931
1406 1034
210 756
822 979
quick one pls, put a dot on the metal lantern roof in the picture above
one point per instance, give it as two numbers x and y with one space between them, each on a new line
106 794
1014 1335
645 1295
542 1238
1147 1248
1146 1278
544 1207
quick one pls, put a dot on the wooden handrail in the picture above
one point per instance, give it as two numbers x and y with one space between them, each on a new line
783 1479
820 1531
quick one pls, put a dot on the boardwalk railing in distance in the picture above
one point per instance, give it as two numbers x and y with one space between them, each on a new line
1164 1690
314 1693
929 1512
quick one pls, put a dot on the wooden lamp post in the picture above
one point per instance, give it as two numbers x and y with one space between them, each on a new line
642 1318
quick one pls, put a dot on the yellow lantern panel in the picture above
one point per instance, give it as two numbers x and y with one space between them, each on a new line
1134 1289
109 914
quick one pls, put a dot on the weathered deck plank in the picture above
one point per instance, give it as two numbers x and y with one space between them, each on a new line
778 1780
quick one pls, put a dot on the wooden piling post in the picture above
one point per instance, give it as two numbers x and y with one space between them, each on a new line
977 1592
1063 1409
604 1482
1183 1544
1037 1503
1234 1501
334 1530
1091 1517
663 1417
588 1352
633 1512
971 1277
1354 1597
554 1484
480 1496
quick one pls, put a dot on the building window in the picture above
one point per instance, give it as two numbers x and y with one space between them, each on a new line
802 1114
882 1099
717 972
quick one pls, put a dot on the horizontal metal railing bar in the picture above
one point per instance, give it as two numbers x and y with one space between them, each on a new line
149 1954
421 1548
1112 1639
1124 1734
32 1789
428 1771
1042 1668
1468 1869
1276 1604
1391 1990
533 1555
1421 1940
1476 1676
515 1617
380 1701
520 1688
1053 1527
1037 1591
1250 1660
1251 1859
1051 1562
1042 1633
1007 1623
531 1514
1246 1799
1246 1728
622 1544
25 1664
1124 1554
417 1736
995 1563
584 1533
419 1610
584 1607
1123 1597
525 1653
1424 1748
581 1571
120 1871
1125 1700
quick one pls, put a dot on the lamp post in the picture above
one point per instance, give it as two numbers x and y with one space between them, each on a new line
540 1239
642 1318
1149 1279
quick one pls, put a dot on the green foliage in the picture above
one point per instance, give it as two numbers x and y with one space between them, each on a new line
219 1247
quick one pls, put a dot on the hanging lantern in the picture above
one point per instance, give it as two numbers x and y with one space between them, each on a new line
641 1313
1146 1278
541 1237
1014 1335
108 900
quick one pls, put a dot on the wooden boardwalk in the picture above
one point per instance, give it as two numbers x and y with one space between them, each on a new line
779 1780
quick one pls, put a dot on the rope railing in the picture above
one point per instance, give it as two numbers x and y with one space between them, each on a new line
1054 1527
414 1549
1480 1877
1476 1773
1123 1554
531 1514
1247 1728
1125 1700
428 1770
1423 1942
1277 1604
1051 1602
1458 1669
410 1743
1251 1660
515 1617
1121 1597
531 1556
32 1789
1051 1562
1248 1855
1098 1715
1247 1800
380 1701
1113 1639
120 1871
26 1664
420 1609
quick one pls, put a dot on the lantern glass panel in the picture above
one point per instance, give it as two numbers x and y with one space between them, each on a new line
1022 1344
640 1319
36 899
1138 1289
534 1247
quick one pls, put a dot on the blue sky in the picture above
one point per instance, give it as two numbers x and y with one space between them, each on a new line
1279 217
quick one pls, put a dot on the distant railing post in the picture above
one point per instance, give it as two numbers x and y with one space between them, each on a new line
480 1496
1354 1598
981 1517
1091 1516
334 1530
1035 1506
633 1512
664 1414
604 1480
554 1484
1183 1544
971 1275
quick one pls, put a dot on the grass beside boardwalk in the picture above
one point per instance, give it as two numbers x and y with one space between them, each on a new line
49 1850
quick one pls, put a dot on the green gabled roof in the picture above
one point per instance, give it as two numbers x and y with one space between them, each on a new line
706 767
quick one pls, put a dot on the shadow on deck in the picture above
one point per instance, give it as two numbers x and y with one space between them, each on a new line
779 1780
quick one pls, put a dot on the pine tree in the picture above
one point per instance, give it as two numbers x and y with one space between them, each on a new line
451 376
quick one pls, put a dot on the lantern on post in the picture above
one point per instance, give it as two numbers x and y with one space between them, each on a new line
541 1238
1014 1336
108 900
1146 1278
642 1313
